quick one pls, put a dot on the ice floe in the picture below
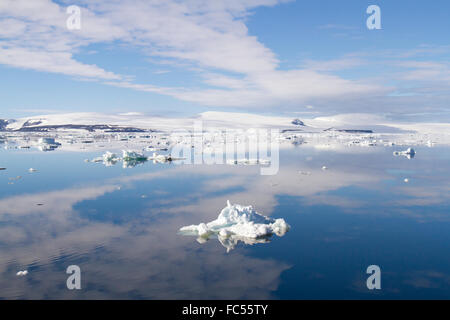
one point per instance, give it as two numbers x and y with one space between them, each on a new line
108 159
409 153
132 158
248 162
238 223
162 158
22 273
133 155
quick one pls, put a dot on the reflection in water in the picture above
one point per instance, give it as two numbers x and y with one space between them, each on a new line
132 159
231 241
128 246
131 163
409 153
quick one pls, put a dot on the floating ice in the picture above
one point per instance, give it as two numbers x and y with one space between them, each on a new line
161 158
132 158
48 144
238 223
109 156
22 273
409 153
31 170
248 162
133 155
109 159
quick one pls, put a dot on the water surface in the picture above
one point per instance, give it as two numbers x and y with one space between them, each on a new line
120 226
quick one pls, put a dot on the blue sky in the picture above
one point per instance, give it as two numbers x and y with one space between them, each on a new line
174 58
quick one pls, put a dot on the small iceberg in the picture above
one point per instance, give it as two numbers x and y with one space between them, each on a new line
248 162
48 144
132 158
133 155
408 153
108 159
238 223
161 158
22 273
109 156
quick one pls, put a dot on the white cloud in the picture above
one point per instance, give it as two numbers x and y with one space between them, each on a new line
238 70
426 71
333 65
56 62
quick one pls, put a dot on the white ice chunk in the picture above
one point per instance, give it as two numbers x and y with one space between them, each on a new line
109 159
235 223
109 156
22 273
133 155
409 153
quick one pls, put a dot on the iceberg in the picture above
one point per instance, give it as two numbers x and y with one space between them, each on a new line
238 223
47 144
248 162
109 159
161 158
109 156
133 155
132 158
408 153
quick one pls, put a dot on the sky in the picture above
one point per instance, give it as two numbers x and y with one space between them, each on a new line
276 57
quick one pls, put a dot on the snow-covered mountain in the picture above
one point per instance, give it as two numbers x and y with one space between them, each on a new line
136 122
132 122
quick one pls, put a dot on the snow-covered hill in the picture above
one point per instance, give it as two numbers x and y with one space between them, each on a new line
131 122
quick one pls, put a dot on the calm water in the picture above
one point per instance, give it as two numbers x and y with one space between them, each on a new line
120 226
